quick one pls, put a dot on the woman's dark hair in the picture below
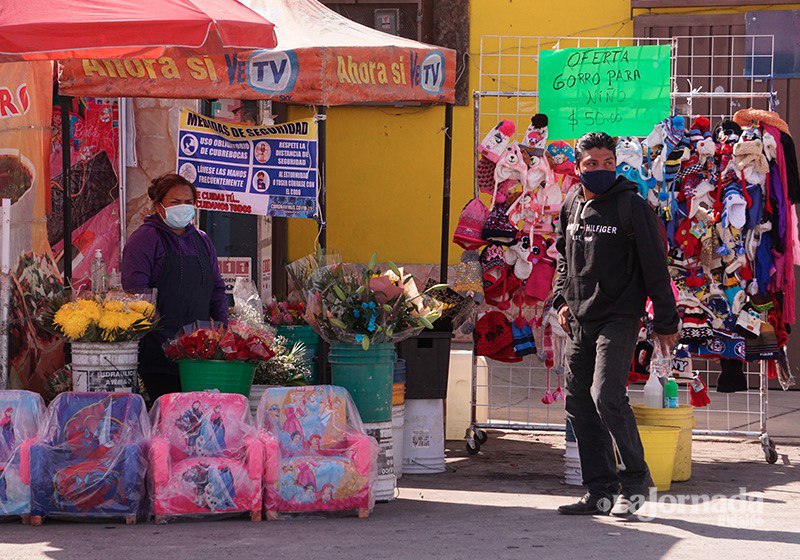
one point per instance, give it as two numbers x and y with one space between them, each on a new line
160 186
592 140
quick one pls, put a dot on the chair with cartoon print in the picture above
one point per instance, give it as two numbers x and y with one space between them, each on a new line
318 457
205 457
20 415
90 458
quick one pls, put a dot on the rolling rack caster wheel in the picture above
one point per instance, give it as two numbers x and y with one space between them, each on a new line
473 446
480 436
770 453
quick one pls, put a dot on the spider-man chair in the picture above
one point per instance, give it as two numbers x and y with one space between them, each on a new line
318 457
206 457
90 459
20 415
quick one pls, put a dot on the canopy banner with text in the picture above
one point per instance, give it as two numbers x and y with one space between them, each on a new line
618 90
312 76
246 169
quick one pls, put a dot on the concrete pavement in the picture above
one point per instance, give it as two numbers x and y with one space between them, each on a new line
499 504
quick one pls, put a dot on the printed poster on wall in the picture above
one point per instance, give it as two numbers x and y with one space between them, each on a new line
246 169
617 90
26 96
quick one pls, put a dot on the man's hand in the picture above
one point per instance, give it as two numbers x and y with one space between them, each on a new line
563 319
666 342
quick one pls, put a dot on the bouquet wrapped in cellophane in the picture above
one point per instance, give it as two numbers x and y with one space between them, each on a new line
206 340
356 304
115 316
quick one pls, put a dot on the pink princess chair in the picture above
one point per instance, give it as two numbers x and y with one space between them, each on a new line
205 457
318 457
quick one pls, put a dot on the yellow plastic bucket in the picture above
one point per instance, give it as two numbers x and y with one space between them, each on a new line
659 444
398 394
683 418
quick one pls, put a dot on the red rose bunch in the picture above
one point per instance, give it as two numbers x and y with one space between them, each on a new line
233 343
285 313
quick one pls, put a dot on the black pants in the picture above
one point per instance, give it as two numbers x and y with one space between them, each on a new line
599 359
159 374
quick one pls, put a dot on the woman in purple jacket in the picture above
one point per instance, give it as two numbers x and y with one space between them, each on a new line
168 253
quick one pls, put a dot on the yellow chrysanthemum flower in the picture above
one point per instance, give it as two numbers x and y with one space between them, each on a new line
72 321
114 306
90 308
144 307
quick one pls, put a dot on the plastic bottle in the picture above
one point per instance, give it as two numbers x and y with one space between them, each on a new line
98 272
653 392
660 365
671 394
113 282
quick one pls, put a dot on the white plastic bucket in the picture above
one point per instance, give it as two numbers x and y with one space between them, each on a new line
398 420
423 437
386 483
105 366
572 464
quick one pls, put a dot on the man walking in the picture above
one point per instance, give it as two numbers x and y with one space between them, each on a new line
612 256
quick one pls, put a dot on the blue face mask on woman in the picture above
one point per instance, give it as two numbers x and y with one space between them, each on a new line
598 181
178 216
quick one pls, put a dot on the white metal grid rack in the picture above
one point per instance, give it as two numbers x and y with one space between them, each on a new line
714 76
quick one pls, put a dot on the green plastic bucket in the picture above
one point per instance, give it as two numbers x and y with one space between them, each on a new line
228 377
306 335
367 375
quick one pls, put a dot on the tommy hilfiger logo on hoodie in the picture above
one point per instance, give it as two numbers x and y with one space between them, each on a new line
586 232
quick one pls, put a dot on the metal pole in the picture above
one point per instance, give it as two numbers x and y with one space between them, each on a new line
66 167
322 149
448 165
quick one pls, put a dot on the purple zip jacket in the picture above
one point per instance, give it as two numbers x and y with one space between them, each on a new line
143 260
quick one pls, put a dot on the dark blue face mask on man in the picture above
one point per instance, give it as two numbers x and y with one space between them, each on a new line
598 181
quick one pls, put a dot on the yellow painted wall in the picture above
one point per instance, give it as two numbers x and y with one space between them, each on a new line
385 164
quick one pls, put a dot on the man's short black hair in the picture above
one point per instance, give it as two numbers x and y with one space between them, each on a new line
592 140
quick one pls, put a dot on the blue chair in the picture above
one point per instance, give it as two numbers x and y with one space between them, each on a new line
90 460
20 415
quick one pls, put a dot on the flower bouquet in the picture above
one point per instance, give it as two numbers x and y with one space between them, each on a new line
285 313
104 330
104 318
354 304
213 356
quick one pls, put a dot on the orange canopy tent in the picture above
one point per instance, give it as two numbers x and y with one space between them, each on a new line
323 59
65 29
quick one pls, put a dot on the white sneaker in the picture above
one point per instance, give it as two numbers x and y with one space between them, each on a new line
623 507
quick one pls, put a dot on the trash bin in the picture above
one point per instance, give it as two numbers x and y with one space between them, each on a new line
427 357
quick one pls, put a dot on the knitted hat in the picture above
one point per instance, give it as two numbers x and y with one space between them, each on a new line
562 158
485 173
695 326
492 333
727 132
682 363
524 344
749 117
494 144
540 282
511 166
498 228
765 347
732 377
470 225
536 135
770 146
673 132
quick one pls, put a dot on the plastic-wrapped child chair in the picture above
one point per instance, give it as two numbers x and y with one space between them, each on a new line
318 457
205 457
90 459
20 415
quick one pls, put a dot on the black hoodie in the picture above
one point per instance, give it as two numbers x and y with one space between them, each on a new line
609 265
